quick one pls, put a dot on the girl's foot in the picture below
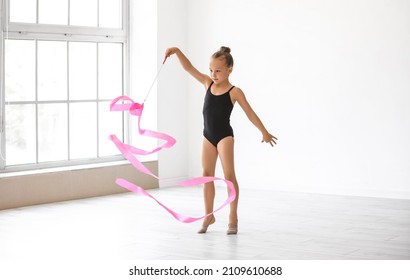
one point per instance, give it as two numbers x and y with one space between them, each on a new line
206 224
232 228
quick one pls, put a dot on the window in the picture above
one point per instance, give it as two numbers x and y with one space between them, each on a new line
63 61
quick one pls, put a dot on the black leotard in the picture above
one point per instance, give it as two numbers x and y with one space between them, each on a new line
217 112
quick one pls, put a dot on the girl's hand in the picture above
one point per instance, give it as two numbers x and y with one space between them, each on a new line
269 138
170 51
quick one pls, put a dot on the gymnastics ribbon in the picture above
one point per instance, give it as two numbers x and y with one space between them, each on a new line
124 103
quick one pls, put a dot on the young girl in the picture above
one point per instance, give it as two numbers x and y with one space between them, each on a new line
218 140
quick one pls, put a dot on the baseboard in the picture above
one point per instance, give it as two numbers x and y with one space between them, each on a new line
170 182
33 189
392 193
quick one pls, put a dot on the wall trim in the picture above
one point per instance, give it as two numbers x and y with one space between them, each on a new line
33 189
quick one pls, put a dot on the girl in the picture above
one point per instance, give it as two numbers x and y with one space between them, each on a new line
218 140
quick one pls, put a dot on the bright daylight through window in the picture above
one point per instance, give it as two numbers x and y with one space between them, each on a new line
62 62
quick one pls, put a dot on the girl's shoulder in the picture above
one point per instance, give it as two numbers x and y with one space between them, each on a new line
207 82
237 93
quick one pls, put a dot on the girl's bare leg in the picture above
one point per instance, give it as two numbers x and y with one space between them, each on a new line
226 154
209 157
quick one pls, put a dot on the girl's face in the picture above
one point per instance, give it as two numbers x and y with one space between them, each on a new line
219 72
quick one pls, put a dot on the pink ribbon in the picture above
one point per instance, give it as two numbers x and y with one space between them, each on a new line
130 152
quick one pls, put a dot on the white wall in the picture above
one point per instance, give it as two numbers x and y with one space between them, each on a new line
172 91
329 78
143 68
156 25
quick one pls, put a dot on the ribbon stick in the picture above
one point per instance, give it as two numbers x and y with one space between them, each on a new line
124 103
156 77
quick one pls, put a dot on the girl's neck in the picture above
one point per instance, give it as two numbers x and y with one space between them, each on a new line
222 85
220 88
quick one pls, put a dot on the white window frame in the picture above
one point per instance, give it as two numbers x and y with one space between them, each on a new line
35 31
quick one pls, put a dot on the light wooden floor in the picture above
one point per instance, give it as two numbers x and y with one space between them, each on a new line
272 225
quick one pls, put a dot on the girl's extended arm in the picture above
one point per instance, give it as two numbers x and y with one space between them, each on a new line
187 65
239 96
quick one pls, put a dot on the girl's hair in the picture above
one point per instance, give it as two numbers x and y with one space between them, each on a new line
224 52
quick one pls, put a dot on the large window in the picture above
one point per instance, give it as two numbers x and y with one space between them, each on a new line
63 61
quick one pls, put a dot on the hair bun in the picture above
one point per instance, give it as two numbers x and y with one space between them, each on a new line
225 49
225 53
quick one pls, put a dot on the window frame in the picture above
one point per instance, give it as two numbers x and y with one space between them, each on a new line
64 33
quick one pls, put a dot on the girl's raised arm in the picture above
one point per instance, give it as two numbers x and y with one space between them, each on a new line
187 65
